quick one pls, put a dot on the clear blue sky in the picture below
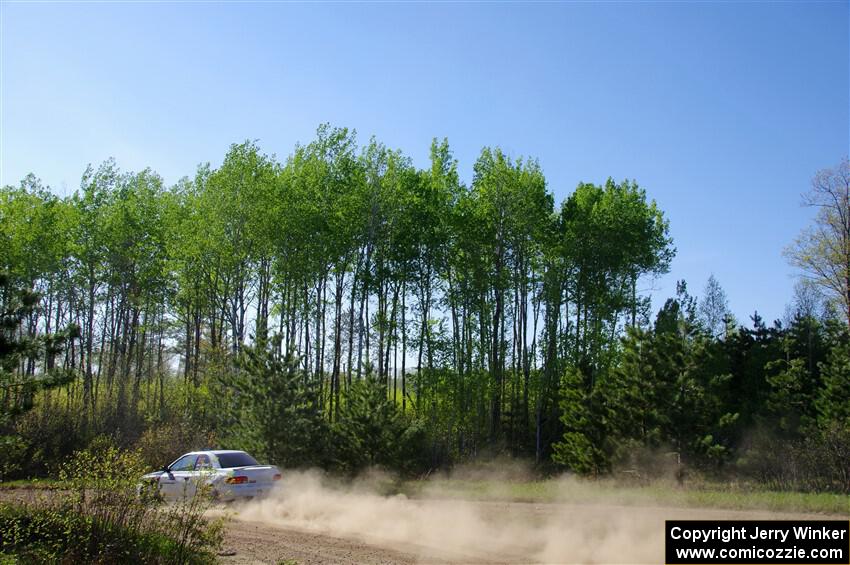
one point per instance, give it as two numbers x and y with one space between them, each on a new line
722 111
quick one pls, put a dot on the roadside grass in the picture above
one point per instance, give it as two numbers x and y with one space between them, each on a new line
730 496
587 491
33 484
94 513
42 535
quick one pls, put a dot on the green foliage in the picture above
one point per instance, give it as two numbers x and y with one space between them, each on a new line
833 402
18 389
165 442
609 236
274 407
580 449
275 413
39 535
795 378
371 431
99 517
669 390
418 321
12 450
16 349
770 403
818 462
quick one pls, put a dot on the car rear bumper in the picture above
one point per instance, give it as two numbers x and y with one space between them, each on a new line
227 493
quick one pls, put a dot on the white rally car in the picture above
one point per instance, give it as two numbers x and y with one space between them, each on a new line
230 475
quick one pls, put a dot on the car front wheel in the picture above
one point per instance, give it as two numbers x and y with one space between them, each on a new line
149 491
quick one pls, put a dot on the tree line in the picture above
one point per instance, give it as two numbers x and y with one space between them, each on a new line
348 294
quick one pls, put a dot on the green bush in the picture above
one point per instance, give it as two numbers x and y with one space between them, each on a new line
277 413
162 444
100 518
37 535
818 463
372 431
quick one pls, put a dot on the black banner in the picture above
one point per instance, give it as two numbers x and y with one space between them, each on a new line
763 542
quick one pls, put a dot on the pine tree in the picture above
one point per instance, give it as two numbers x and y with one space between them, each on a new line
276 407
372 431
17 388
833 402
580 447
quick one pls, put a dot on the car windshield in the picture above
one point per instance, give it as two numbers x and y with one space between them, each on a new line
238 459
185 463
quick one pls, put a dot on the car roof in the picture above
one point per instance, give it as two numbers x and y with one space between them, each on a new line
215 452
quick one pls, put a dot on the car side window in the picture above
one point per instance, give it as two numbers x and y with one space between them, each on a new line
203 462
185 463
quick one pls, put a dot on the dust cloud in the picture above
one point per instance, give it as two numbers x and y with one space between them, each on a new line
440 529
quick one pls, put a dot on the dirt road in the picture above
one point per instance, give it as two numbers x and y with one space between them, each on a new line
310 523
486 532
255 543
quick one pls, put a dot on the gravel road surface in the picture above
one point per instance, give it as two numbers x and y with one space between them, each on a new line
566 533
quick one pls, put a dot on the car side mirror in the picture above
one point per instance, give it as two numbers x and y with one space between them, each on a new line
167 470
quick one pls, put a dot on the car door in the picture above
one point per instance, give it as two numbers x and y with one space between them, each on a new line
177 481
204 472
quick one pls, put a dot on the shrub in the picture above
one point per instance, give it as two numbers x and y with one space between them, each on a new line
38 534
49 433
277 414
818 463
162 444
100 518
372 431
